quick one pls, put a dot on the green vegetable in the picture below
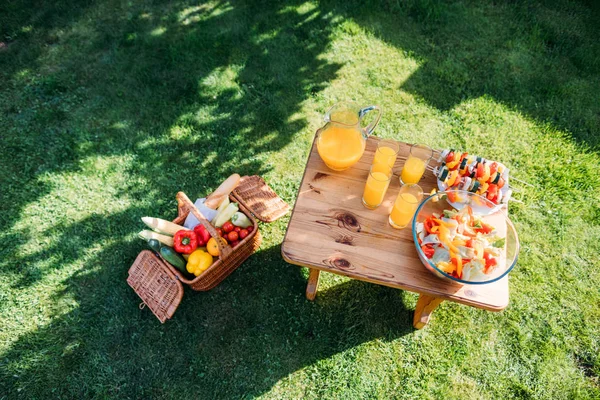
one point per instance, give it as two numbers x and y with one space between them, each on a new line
499 243
162 226
154 245
164 239
240 219
226 214
222 207
450 213
173 258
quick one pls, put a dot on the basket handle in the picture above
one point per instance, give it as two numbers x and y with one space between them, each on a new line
184 202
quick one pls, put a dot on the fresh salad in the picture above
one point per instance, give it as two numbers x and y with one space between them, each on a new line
461 244
474 174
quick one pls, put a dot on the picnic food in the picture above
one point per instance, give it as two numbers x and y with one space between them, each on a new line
240 219
461 243
162 226
164 239
169 254
198 262
154 245
222 193
213 248
185 241
474 174
202 235
225 215
227 227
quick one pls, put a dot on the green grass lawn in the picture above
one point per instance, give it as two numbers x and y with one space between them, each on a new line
109 107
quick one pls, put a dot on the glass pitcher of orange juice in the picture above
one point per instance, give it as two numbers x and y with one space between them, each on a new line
341 141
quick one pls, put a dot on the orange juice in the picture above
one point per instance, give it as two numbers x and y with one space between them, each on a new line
413 170
404 209
340 147
385 155
375 189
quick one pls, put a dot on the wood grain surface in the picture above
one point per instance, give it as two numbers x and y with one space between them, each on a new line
332 231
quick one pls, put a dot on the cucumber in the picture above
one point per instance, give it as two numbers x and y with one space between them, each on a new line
154 245
463 164
173 258
474 186
496 178
443 173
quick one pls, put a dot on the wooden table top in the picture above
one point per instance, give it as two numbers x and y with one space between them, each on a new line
332 231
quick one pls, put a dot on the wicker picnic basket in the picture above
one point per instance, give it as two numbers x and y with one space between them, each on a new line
159 284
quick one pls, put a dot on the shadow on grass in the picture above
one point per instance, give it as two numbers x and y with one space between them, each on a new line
193 92
237 340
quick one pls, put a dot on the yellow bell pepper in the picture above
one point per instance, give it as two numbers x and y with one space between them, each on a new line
198 262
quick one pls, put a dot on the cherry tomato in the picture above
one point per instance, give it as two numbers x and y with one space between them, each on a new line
500 183
250 229
428 250
219 231
234 244
243 233
450 157
227 227
490 260
493 168
233 236
237 229
480 170
485 228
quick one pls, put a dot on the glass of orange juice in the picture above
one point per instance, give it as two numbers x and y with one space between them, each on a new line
386 153
377 184
415 164
406 204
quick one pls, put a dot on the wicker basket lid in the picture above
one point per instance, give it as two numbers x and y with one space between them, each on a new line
158 287
254 193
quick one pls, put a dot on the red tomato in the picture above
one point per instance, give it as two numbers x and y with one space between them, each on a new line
493 168
428 250
450 157
490 260
220 231
250 229
227 227
234 244
233 236
500 183
480 170
237 229
485 228
243 233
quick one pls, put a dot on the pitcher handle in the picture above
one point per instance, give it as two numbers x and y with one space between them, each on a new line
371 127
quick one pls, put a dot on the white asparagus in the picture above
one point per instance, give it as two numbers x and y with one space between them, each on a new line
163 226
164 239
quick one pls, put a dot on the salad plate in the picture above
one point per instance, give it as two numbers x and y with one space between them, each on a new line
464 237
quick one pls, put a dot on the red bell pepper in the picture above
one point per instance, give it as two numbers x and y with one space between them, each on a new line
185 242
201 234
428 250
